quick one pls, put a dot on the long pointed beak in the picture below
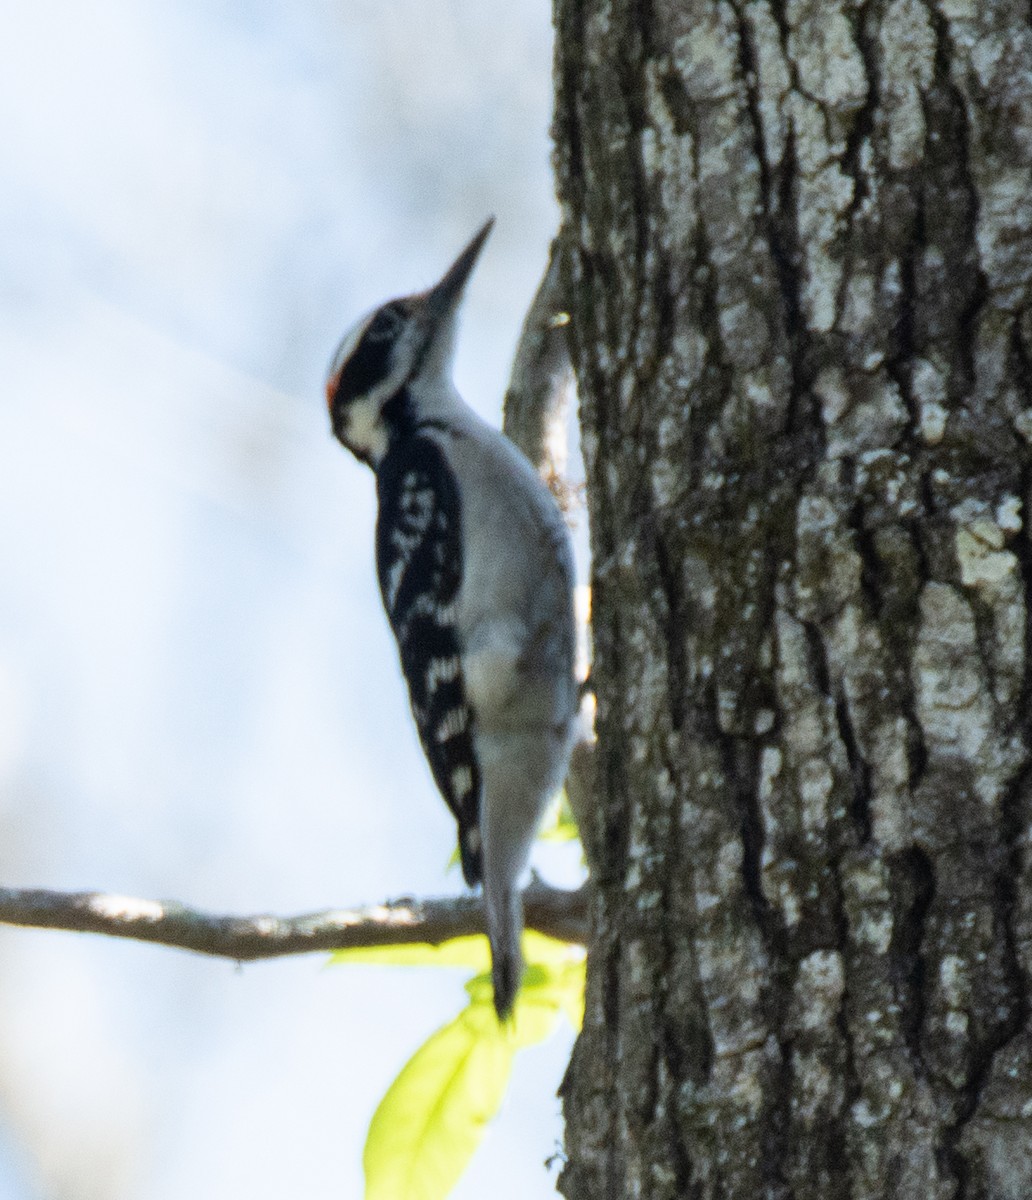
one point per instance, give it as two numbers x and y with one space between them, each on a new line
442 298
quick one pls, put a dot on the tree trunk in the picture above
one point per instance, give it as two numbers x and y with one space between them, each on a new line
799 252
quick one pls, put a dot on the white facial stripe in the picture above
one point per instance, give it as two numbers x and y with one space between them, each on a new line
363 430
348 344
358 419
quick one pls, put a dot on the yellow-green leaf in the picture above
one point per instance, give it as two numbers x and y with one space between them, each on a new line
543 950
435 1113
471 952
559 824
557 987
570 992
534 1018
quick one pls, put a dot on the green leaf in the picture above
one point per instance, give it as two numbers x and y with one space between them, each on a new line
534 1017
570 992
559 986
555 969
559 824
471 952
432 1119
537 1007
556 973
543 950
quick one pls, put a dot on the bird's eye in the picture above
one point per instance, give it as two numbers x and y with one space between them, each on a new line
361 367
385 325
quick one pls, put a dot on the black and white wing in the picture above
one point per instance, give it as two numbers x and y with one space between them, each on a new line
419 565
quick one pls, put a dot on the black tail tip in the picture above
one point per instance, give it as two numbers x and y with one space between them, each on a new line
506 976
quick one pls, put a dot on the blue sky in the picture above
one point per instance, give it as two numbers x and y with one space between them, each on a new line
199 698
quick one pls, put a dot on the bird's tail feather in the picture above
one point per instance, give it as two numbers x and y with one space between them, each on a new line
520 771
504 928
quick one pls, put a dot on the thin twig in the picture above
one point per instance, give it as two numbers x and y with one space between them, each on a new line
561 914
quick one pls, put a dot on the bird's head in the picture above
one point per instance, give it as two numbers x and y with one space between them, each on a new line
393 356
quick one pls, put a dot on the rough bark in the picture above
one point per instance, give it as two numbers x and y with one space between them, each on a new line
799 252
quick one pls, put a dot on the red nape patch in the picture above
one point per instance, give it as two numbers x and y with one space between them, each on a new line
331 391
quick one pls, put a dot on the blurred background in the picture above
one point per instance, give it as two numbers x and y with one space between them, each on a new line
199 697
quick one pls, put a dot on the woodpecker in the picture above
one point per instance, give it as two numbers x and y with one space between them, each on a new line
476 573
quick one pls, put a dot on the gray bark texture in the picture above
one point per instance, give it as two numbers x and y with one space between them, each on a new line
798 261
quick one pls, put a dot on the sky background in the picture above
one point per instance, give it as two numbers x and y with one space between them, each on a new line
199 698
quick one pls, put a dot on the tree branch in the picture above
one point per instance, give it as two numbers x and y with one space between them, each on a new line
540 383
554 911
